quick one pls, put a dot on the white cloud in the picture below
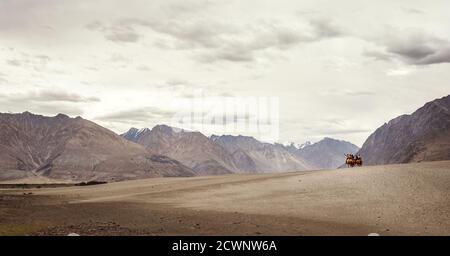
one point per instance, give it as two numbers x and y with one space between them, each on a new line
399 71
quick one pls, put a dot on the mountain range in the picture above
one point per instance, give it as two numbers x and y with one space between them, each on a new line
76 149
237 154
218 154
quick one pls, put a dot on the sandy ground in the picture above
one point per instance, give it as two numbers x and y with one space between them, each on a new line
35 180
407 199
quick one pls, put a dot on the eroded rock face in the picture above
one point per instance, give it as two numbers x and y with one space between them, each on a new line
61 147
422 136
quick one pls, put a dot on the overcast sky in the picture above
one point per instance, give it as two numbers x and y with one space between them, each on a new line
339 68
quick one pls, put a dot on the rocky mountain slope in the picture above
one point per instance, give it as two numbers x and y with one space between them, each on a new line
251 155
191 148
422 136
76 149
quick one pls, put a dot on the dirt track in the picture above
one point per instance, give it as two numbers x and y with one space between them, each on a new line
409 199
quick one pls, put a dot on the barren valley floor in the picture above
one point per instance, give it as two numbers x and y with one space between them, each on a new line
406 199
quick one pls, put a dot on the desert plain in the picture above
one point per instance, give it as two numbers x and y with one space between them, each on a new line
401 199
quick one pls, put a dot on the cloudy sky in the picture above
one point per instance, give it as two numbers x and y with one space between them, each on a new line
339 68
